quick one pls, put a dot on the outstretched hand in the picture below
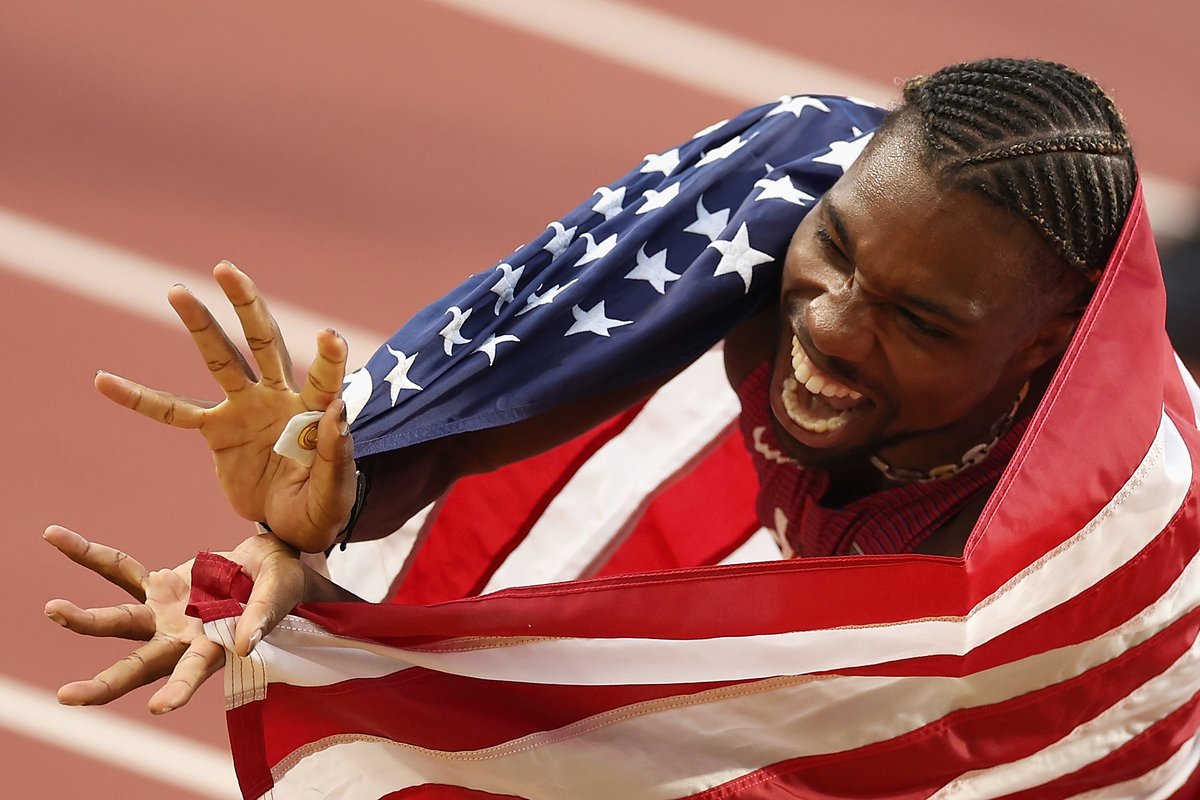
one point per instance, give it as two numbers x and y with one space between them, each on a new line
306 507
175 644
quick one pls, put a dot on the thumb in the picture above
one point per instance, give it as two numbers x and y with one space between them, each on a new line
332 478
278 588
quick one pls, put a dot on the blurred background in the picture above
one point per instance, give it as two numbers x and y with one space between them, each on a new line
358 159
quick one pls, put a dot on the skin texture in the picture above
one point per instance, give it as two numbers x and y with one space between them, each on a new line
862 272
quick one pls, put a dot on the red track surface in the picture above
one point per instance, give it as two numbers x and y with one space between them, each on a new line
356 162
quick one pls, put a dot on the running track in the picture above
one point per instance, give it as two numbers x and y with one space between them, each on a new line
356 163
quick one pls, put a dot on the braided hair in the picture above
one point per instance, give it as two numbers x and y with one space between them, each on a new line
1039 138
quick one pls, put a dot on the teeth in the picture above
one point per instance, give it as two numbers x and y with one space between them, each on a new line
798 413
815 382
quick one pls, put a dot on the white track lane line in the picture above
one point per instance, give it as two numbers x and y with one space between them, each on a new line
94 732
728 66
138 285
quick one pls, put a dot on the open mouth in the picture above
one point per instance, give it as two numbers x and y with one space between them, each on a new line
813 400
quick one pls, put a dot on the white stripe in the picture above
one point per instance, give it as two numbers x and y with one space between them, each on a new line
679 421
1091 741
1130 520
685 744
718 63
369 568
152 751
1189 383
760 546
138 285
1157 784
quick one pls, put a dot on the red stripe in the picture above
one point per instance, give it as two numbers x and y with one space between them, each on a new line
1093 425
688 524
438 711
919 763
1141 754
486 516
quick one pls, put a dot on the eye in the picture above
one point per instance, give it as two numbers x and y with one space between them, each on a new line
919 325
827 242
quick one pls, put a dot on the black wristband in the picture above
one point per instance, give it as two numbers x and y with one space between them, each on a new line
361 487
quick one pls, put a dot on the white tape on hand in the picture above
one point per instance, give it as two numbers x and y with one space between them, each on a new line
298 441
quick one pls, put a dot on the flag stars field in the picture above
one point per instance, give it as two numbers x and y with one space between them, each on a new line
843 154
781 188
397 379
611 201
737 256
708 223
561 239
505 288
594 320
452 333
653 270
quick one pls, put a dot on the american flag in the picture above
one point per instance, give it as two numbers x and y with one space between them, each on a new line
607 620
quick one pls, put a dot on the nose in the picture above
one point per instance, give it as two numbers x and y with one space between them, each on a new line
839 324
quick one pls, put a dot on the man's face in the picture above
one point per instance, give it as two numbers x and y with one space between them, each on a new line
908 316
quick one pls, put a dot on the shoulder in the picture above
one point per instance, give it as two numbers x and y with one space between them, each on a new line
750 344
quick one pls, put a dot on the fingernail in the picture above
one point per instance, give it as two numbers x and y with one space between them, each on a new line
255 638
161 711
57 618
343 420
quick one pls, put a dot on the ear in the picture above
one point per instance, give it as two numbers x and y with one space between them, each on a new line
1048 342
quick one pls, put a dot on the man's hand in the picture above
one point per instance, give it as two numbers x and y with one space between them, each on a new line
175 643
305 507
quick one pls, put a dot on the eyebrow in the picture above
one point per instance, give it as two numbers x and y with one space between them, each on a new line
924 303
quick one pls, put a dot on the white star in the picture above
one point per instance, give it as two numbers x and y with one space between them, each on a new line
724 151
594 250
593 321
507 285
398 377
796 105
452 332
707 223
656 199
488 348
738 256
843 154
709 129
781 188
610 201
356 391
561 239
653 270
534 300
666 163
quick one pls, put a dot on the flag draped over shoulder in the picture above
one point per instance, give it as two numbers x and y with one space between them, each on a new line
1056 659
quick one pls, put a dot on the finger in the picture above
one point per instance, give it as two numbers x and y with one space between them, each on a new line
262 332
164 407
332 478
127 621
223 359
198 663
327 372
146 664
113 565
278 588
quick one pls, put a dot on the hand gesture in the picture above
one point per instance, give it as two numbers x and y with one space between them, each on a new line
305 507
175 643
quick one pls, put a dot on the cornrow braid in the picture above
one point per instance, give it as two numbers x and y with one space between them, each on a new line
1039 138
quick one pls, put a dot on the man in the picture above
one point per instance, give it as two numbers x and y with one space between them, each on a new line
924 306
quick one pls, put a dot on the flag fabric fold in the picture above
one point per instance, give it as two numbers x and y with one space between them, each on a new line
645 646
